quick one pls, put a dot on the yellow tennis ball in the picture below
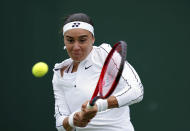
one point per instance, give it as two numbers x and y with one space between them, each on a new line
39 69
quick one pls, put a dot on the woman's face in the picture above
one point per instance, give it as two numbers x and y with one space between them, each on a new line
78 43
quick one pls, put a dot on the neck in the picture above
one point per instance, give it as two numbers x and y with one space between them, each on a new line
75 66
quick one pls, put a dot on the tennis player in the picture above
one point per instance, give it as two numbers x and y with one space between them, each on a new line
75 79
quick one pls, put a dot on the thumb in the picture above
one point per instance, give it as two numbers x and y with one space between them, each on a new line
84 105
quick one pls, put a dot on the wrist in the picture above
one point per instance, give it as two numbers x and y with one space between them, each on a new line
102 105
112 102
70 120
66 124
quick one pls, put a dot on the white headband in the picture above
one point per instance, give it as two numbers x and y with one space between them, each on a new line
78 24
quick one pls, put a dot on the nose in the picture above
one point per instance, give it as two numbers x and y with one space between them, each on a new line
76 46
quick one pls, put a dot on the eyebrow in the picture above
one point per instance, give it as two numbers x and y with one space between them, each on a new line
82 36
69 37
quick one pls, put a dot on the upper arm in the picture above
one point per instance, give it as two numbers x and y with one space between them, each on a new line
130 75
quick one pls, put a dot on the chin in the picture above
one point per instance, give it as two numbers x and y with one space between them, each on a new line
77 60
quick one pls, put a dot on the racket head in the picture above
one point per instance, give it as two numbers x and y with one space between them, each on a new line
112 69
111 72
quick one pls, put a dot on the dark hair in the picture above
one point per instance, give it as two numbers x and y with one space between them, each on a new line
70 18
78 17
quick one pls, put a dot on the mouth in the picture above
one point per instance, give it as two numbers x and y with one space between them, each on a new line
76 54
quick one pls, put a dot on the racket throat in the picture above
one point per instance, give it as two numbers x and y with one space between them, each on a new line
92 102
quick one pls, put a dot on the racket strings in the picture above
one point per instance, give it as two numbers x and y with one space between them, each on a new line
112 71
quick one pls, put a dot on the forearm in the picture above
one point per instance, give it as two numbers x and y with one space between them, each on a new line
112 102
130 95
126 97
131 88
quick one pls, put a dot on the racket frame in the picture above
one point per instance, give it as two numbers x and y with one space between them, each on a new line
99 86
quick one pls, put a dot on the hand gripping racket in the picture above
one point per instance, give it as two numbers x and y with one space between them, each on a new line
111 73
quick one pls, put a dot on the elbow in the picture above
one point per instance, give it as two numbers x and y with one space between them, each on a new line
139 93
140 98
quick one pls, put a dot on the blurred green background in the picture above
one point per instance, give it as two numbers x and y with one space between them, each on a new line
157 32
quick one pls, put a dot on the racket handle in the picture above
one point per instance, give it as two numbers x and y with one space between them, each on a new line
102 105
89 106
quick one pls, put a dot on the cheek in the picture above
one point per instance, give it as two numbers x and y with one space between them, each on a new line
87 49
68 49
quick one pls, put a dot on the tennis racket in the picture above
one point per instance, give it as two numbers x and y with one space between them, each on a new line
111 73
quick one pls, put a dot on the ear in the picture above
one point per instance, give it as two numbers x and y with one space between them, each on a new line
93 40
64 47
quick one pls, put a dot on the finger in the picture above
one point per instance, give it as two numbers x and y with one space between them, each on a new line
80 117
78 122
89 112
84 105
89 116
81 124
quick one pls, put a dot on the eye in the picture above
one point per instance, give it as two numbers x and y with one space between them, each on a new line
82 40
70 40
